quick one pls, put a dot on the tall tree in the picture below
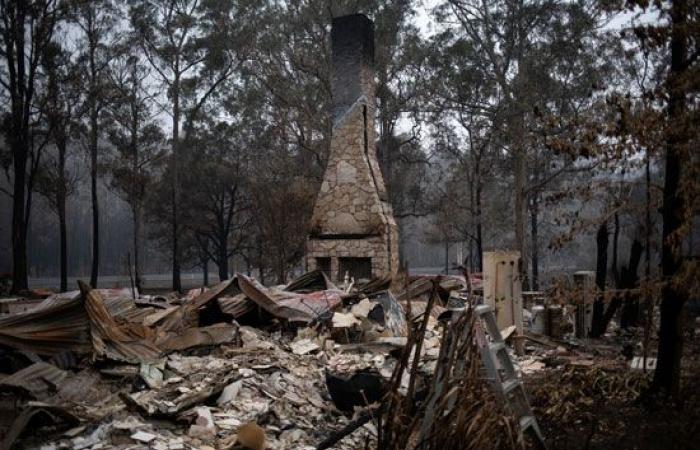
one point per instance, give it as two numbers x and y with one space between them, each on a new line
192 47
138 140
519 55
678 189
26 32
601 274
218 210
55 181
658 119
96 21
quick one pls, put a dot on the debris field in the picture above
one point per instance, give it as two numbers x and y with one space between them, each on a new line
307 365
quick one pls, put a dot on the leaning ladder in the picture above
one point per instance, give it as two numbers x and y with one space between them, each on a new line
500 370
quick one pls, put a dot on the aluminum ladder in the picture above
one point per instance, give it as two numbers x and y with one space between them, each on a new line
501 372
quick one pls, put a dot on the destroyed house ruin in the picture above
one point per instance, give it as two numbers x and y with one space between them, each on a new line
353 230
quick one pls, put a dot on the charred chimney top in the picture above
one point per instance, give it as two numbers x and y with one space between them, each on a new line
352 39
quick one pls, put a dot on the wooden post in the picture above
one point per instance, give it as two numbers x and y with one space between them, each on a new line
503 291
585 284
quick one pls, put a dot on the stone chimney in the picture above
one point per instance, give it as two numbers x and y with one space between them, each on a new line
352 49
353 230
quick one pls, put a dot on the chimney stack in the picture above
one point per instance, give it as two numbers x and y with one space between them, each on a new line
352 230
352 46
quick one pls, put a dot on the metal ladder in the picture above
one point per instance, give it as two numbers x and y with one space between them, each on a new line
501 372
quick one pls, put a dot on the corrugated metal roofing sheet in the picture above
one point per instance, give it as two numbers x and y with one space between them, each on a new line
51 328
236 305
290 305
113 340
40 380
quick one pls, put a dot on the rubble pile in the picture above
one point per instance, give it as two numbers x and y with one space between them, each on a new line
283 366
309 365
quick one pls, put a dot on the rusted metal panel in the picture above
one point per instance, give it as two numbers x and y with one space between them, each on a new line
223 288
110 339
236 306
186 316
48 329
311 281
197 337
288 305
37 380
17 305
155 317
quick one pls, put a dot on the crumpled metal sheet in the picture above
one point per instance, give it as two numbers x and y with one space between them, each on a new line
118 302
71 322
186 316
197 337
317 303
394 317
37 380
290 306
112 340
54 413
236 306
311 281
155 317
53 327
225 287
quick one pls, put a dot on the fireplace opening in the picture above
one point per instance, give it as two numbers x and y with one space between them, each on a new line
357 268
324 265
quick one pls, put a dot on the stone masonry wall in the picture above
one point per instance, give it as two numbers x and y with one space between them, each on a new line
352 216
348 201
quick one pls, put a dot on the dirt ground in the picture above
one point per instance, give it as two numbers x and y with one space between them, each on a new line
605 408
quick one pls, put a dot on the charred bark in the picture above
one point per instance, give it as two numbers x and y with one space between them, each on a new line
668 367
175 167
94 271
597 328
520 207
628 280
137 245
19 226
534 213
61 207
205 272
479 228
222 261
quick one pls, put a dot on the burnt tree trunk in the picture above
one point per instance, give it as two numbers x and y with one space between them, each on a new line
629 317
175 166
601 270
668 367
261 265
94 271
534 212
137 245
628 280
616 241
19 226
222 260
447 257
479 229
520 207
63 246
14 50
205 272
281 270
137 189
92 145
28 28
61 207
